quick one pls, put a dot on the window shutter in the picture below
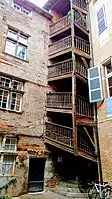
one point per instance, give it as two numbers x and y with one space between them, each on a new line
95 84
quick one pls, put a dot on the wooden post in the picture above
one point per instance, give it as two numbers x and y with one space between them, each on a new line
73 80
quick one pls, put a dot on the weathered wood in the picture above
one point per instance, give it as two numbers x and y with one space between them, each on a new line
89 137
64 101
80 3
66 67
60 134
66 43
84 144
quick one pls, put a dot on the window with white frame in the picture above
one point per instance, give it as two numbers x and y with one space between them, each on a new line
109 79
11 91
21 8
16 44
7 164
101 18
9 144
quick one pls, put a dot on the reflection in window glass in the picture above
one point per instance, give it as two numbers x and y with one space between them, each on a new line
10 47
21 52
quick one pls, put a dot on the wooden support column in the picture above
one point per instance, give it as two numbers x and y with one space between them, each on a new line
73 82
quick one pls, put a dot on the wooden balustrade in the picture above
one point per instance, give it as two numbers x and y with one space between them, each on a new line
60 24
60 45
84 144
78 18
80 3
61 68
66 67
82 44
83 107
64 100
59 133
59 100
66 21
66 43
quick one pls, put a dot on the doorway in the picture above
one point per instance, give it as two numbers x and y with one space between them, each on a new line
36 175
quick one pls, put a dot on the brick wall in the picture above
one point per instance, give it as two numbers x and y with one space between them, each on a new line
34 71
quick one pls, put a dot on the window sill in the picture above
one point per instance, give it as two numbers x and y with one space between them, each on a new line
6 175
15 57
3 109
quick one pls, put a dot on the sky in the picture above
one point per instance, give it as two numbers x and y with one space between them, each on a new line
39 2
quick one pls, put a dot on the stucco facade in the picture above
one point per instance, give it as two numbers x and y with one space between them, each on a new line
102 52
26 125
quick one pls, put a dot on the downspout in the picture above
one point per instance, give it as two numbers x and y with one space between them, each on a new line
95 107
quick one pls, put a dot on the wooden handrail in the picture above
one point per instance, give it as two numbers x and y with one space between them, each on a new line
66 42
80 3
59 133
66 67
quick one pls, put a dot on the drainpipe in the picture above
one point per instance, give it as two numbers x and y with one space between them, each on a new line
95 109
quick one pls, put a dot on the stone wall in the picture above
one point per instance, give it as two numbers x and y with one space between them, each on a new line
33 70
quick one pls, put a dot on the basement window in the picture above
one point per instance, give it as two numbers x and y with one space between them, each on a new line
16 44
11 92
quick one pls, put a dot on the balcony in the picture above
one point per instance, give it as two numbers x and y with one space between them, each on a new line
82 47
81 4
64 101
60 136
64 23
85 148
64 69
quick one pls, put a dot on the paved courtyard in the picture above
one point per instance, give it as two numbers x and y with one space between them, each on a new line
44 195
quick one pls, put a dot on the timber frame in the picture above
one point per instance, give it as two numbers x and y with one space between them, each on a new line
69 56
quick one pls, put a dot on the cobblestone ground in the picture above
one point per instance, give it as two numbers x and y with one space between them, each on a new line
45 195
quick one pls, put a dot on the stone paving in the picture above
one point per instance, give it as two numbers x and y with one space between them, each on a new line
44 195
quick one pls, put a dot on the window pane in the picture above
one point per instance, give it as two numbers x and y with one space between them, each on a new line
3 98
94 72
110 81
7 165
17 85
23 39
94 83
109 68
101 25
10 47
12 34
4 81
21 52
95 95
17 7
15 101
100 14
110 91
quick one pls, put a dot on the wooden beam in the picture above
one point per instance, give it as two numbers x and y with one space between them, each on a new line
84 62
89 137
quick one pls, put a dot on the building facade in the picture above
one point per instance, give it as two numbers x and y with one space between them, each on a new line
24 30
101 32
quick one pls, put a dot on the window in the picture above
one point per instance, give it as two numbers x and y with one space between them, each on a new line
9 144
16 44
21 8
101 20
6 164
109 79
11 92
